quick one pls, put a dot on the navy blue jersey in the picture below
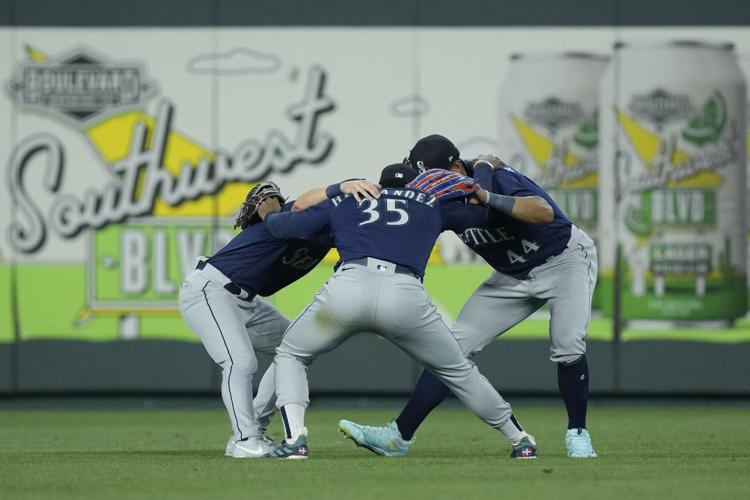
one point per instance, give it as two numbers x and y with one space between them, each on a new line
400 227
511 246
262 264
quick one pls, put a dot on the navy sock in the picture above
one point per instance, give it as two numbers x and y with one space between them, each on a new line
573 382
427 395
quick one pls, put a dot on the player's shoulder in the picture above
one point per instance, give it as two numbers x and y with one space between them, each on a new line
506 170
508 178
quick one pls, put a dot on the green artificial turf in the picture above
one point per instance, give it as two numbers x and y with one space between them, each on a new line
178 454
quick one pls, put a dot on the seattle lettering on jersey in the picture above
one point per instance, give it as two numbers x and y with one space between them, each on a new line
476 236
300 258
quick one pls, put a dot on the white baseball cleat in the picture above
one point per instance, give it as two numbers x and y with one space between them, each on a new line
229 451
253 447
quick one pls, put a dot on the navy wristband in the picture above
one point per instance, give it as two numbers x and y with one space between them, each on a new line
501 203
334 190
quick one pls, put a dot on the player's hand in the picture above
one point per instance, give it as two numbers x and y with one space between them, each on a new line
268 206
361 189
491 159
478 198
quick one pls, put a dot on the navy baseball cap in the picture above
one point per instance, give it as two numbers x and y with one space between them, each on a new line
397 175
433 151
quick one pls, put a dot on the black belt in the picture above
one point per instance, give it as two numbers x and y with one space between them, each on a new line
398 270
230 287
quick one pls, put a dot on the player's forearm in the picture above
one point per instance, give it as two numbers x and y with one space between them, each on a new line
309 199
283 225
483 174
534 209
359 188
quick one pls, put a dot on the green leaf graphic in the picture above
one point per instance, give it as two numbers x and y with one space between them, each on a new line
587 134
706 125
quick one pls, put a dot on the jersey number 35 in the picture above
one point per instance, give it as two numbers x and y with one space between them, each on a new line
394 211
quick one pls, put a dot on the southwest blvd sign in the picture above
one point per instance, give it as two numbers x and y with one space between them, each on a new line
123 198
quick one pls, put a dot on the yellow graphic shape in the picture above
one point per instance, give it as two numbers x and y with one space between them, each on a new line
35 54
587 181
112 139
647 146
435 258
541 148
539 145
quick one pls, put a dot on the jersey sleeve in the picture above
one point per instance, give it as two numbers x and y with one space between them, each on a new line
483 174
456 215
306 224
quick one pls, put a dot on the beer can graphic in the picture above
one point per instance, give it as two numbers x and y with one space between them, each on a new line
549 129
673 181
744 61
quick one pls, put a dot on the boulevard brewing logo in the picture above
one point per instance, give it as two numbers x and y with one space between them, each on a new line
146 156
552 113
660 107
80 86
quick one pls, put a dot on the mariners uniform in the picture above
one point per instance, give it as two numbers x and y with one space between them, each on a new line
384 246
533 264
219 301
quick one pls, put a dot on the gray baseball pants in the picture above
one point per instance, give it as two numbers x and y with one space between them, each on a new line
566 283
232 330
374 298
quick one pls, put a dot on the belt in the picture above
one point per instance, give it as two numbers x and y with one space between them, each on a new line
230 287
399 269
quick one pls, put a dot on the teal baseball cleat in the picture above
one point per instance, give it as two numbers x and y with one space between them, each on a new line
578 443
386 441
525 449
291 451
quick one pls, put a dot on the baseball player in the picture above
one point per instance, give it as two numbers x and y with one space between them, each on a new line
219 301
377 286
533 264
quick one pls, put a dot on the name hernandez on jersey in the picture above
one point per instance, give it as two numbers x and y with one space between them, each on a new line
406 194
400 227
511 246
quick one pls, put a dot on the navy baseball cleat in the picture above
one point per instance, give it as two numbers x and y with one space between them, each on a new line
292 451
525 449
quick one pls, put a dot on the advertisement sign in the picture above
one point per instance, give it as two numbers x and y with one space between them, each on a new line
677 168
127 151
549 129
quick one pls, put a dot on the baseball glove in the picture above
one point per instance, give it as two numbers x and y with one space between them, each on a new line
249 211
444 184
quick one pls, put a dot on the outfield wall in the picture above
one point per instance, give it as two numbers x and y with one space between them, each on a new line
108 110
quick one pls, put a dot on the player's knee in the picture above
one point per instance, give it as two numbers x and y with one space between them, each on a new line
458 371
468 347
241 363
567 354
284 356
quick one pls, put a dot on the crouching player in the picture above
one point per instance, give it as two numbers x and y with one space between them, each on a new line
219 301
377 286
